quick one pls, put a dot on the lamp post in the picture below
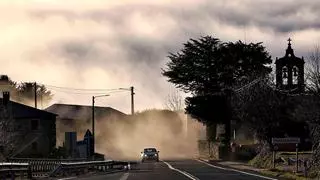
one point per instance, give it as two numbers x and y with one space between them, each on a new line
93 133
131 89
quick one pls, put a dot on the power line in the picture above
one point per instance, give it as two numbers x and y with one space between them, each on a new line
86 93
78 89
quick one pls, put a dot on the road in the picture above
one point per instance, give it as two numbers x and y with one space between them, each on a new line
176 170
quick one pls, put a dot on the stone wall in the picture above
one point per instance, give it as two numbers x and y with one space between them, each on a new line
210 150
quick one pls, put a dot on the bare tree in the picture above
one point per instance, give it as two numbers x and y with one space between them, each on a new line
174 100
313 71
312 108
7 124
8 140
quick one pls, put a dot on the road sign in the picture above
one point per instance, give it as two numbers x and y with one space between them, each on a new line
290 140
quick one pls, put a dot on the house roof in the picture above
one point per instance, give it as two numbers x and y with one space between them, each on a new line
72 111
24 111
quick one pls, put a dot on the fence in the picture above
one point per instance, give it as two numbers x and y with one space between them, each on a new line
286 162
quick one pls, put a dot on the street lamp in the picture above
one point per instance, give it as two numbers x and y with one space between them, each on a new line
93 101
132 97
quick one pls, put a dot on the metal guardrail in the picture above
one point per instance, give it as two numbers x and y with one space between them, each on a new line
66 169
43 165
13 170
32 168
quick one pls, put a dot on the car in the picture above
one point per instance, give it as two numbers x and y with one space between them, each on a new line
150 154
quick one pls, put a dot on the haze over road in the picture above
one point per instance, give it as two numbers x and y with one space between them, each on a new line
176 170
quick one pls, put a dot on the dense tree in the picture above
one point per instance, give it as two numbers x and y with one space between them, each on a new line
208 69
207 65
269 112
24 92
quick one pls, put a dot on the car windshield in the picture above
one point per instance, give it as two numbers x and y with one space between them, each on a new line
148 150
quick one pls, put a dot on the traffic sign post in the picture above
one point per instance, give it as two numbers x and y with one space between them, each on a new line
290 140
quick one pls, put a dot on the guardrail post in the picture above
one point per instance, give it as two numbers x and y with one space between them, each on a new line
12 175
21 174
29 176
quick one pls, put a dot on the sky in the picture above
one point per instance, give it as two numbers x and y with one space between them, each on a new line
110 44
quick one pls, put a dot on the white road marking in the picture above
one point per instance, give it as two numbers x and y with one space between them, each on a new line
182 172
67 178
229 169
124 176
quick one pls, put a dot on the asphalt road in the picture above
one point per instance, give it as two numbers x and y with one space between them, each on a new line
176 170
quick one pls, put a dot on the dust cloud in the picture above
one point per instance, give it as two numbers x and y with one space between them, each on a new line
123 138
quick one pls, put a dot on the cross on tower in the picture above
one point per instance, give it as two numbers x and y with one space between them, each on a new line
289 41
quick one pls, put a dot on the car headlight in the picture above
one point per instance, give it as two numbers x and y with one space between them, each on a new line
155 154
145 155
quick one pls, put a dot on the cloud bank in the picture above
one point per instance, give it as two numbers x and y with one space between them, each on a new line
111 44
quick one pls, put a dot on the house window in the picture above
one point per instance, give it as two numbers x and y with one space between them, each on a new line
34 124
34 146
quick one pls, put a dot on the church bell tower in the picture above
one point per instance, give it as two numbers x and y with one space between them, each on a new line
290 72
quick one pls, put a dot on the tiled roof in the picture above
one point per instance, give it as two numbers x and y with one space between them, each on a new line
24 111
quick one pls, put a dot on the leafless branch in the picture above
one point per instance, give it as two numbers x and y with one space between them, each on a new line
174 101
313 70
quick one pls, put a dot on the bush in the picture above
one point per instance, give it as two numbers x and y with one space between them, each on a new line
246 152
262 160
58 153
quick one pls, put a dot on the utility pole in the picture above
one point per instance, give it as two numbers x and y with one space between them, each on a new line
132 100
35 95
93 128
93 125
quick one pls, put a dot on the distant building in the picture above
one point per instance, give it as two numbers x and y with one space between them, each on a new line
82 149
78 118
34 129
71 144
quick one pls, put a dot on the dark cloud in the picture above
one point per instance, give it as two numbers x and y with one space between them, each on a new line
142 55
280 16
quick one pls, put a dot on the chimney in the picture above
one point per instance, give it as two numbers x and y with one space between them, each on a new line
6 98
4 81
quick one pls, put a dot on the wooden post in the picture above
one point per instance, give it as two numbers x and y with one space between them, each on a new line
273 156
297 162
273 159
